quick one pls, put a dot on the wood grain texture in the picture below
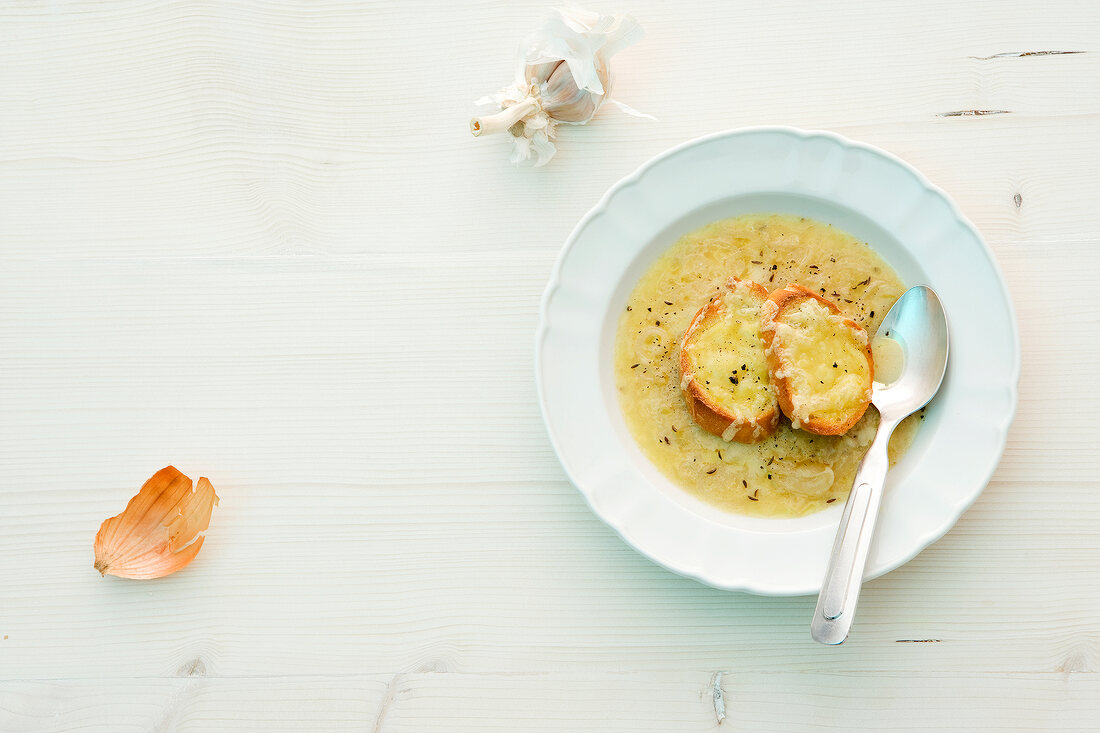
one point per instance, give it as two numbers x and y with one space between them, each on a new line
256 240
460 703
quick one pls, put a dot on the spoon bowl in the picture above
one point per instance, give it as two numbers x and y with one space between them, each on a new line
918 325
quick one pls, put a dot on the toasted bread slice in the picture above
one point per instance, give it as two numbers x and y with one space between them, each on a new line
723 370
819 361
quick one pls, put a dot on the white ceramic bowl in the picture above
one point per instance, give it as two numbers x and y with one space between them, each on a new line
867 192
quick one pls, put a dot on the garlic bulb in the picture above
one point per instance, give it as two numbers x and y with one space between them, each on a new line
160 530
563 77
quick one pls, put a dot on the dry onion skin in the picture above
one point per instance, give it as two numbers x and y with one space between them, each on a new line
159 532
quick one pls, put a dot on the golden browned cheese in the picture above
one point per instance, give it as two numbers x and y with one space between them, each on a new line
723 368
819 361
792 472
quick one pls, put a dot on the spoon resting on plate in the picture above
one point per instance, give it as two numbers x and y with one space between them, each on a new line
918 326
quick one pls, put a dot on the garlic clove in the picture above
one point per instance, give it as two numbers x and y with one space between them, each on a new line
539 73
563 76
563 101
159 531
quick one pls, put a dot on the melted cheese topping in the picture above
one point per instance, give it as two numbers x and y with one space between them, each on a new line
792 472
825 362
727 356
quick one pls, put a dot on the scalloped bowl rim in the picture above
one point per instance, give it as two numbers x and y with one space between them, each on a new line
746 582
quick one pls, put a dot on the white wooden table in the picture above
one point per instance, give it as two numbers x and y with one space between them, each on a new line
257 241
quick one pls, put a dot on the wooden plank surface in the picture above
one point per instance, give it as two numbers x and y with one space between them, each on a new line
256 240
460 703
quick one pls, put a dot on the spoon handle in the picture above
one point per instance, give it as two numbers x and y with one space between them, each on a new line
836 605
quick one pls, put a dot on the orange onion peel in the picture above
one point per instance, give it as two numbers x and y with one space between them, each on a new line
159 531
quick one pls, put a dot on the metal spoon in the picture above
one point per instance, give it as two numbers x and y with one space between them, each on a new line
918 324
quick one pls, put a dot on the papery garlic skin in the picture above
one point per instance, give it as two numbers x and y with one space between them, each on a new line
563 76
159 531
